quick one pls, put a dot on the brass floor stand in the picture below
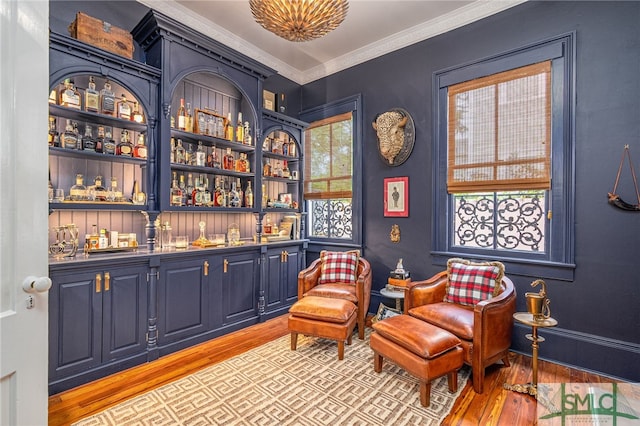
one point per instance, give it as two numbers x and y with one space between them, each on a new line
527 318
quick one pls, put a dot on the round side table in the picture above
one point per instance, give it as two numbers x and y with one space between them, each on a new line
398 296
527 318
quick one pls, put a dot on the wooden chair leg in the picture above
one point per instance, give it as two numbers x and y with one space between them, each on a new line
361 328
294 341
452 379
505 360
425 393
478 379
377 362
350 338
340 350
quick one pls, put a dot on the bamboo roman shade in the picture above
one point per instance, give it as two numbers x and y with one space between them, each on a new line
328 158
499 131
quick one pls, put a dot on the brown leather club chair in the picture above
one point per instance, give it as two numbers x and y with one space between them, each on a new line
484 329
358 293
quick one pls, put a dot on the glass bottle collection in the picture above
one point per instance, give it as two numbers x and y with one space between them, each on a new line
227 191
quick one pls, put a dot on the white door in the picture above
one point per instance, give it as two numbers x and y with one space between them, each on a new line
24 87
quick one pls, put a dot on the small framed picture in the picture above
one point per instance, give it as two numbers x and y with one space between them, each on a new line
396 197
285 198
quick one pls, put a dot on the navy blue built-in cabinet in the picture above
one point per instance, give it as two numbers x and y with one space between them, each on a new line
112 311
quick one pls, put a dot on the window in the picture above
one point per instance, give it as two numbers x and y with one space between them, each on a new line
504 149
330 182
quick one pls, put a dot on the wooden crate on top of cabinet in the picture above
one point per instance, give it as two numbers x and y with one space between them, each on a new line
102 34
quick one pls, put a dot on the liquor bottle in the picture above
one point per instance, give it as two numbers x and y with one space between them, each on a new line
107 99
124 109
248 140
109 145
51 189
201 155
94 238
240 192
91 97
228 161
219 195
140 150
180 153
202 124
248 196
183 189
138 197
211 126
88 142
53 97
78 191
265 196
137 115
189 190
242 163
125 147
207 193
216 158
239 129
197 194
285 148
172 153
182 116
219 123
100 140
268 227
286 173
292 148
79 138
266 168
70 96
229 128
53 132
98 190
176 192
277 169
190 156
114 194
189 119
69 137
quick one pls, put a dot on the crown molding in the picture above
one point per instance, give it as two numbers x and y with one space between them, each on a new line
475 11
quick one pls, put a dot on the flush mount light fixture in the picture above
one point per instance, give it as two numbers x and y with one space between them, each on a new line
299 20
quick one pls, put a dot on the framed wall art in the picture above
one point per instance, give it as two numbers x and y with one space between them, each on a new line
396 197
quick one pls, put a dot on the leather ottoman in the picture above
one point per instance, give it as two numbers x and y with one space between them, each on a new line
323 317
422 349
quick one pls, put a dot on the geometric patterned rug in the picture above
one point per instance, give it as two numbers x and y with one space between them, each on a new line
272 385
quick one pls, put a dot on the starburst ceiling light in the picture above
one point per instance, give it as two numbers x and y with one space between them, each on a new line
299 20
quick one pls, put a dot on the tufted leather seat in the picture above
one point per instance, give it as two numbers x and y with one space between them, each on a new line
358 294
484 329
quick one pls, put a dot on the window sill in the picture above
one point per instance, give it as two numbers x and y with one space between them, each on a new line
522 267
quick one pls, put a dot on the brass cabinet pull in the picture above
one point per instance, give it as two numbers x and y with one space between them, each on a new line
98 283
206 268
286 256
281 256
226 264
107 281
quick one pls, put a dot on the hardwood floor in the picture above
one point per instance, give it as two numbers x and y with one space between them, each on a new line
496 406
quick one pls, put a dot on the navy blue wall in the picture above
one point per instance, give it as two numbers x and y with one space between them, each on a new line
598 312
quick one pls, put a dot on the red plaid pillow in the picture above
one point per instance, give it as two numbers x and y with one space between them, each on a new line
472 283
338 267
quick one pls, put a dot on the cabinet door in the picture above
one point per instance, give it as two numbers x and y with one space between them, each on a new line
182 299
291 268
75 323
272 289
124 312
239 287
